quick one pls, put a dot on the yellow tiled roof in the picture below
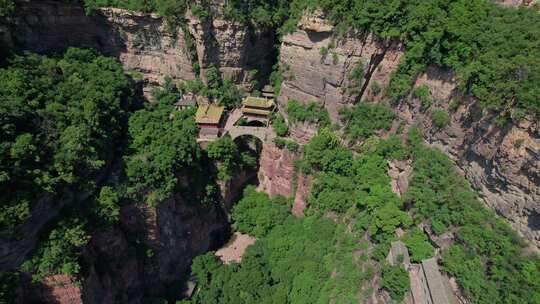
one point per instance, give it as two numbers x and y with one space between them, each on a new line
258 102
255 111
210 114
268 89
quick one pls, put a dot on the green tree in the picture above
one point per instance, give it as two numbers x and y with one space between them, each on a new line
60 120
440 118
225 152
107 205
422 93
418 245
255 214
322 151
385 221
396 281
332 192
7 7
363 120
279 125
9 281
59 252
163 144
312 112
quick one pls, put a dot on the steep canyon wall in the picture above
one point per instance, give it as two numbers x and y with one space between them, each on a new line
501 163
143 42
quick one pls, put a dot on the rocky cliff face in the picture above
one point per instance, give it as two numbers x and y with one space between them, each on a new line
515 3
144 43
166 240
151 252
276 171
502 163
277 176
312 75
147 255
236 49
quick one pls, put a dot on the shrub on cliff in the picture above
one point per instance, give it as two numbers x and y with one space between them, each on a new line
312 112
325 153
422 93
107 208
168 93
228 157
418 245
396 281
279 125
223 91
225 152
59 253
363 120
261 13
440 117
288 144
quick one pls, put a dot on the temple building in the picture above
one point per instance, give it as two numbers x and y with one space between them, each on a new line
268 91
257 108
209 118
186 101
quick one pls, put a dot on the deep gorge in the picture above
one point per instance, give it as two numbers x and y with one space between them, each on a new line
502 163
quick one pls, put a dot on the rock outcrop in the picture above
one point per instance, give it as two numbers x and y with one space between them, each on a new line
53 289
276 171
501 163
516 3
399 173
303 190
278 176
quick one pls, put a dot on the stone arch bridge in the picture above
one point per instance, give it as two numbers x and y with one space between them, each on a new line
264 134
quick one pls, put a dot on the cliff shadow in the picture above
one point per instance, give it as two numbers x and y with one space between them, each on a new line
50 27
318 36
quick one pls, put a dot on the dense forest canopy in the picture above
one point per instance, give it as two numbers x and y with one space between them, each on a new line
60 119
293 258
310 260
68 125
162 145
